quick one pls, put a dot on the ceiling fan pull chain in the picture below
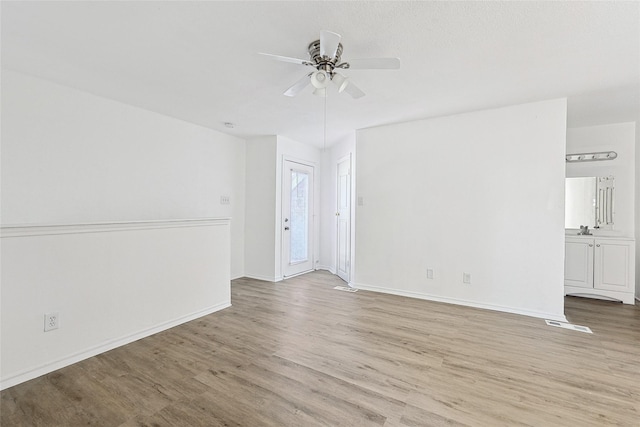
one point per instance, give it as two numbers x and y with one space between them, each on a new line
324 141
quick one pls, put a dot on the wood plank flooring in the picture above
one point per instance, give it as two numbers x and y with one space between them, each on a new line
299 353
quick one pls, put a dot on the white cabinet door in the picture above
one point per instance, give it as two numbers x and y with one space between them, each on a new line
578 262
611 266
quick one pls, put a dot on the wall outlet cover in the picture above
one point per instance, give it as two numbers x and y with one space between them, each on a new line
51 321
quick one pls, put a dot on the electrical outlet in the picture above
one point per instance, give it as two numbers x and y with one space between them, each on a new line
429 273
466 278
225 200
51 321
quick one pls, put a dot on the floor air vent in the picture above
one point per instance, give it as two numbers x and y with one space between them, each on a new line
569 326
345 288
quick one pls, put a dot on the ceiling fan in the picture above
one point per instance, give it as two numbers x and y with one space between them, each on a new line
325 56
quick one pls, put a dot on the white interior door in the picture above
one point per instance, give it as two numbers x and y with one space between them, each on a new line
343 262
297 218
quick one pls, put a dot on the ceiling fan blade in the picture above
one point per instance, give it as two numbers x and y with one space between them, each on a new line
375 64
329 43
287 59
353 90
298 86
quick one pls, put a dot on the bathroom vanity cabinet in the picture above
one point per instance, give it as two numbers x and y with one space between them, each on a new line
600 267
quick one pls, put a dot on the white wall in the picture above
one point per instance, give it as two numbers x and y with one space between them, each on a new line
111 284
481 193
328 205
260 241
621 138
72 157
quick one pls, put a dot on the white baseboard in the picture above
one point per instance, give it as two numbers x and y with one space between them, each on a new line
466 303
327 268
110 345
260 277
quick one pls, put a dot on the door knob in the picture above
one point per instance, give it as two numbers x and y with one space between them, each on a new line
286 228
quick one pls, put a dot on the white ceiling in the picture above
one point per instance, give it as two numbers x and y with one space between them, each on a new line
198 61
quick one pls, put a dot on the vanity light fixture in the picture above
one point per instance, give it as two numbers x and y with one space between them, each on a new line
590 157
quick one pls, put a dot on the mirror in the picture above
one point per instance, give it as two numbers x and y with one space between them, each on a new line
589 201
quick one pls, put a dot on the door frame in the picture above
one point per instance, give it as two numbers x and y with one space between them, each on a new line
341 160
312 216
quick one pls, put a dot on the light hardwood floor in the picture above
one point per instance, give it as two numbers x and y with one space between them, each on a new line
298 353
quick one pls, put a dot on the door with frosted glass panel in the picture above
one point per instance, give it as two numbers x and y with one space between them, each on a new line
297 218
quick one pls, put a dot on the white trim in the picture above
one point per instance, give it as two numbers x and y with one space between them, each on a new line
299 160
456 301
260 277
296 275
37 371
352 210
624 297
354 207
327 268
8 231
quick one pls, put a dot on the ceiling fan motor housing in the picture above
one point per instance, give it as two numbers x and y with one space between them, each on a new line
324 63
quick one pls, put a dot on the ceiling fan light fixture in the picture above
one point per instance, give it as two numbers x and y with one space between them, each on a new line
325 57
320 79
321 92
341 81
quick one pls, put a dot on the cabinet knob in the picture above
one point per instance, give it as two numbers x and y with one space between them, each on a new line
590 245
598 245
